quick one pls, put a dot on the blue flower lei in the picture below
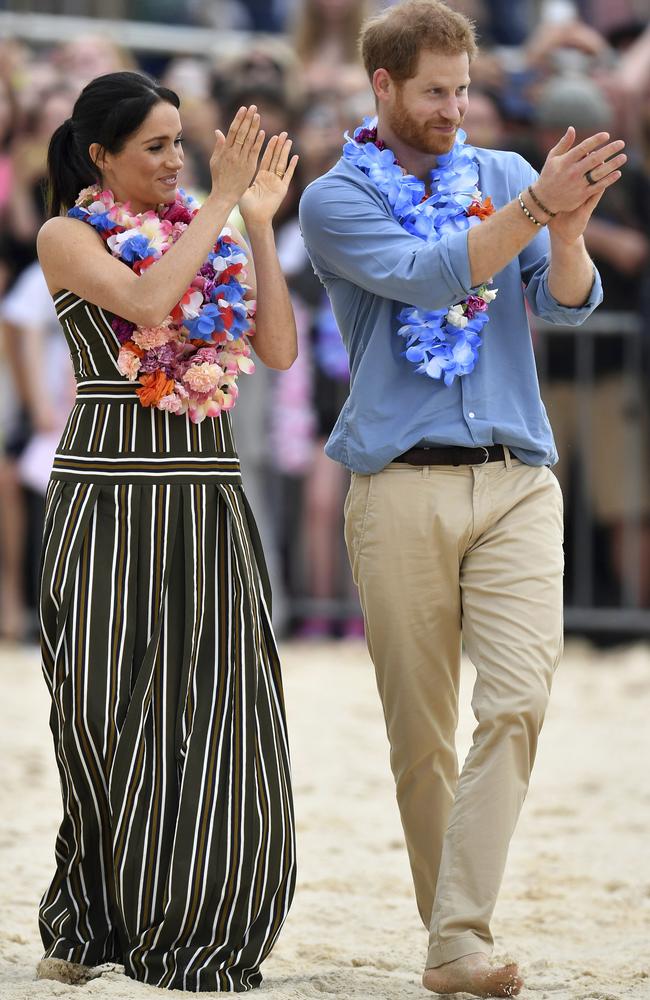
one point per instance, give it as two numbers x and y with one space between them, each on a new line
441 343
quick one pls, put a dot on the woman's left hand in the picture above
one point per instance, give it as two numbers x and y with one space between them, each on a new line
261 200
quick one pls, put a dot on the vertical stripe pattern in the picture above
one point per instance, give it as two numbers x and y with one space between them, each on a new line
176 853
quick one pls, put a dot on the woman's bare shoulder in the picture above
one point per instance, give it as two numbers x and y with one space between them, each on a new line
63 244
62 229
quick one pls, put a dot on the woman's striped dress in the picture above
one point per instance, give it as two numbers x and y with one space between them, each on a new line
176 853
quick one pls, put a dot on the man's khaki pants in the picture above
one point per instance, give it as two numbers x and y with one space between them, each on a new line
436 552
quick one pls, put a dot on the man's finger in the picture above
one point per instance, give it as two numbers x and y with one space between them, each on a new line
587 146
565 142
610 152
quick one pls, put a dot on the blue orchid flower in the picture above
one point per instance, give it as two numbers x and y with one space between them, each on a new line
137 248
438 349
98 220
208 322
231 292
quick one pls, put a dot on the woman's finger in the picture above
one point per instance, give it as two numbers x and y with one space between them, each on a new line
276 151
256 147
245 126
268 153
289 172
284 158
251 135
234 125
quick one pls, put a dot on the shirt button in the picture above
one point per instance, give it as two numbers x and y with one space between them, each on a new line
471 414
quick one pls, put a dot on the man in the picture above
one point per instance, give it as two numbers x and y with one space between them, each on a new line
453 519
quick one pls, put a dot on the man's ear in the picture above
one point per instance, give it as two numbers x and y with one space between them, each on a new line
382 84
97 155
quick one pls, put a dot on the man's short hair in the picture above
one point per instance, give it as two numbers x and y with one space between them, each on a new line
394 39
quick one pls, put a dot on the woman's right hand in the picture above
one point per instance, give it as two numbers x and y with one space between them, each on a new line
234 161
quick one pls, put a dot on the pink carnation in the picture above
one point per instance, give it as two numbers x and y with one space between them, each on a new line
147 337
206 355
160 357
473 305
128 364
177 213
203 378
171 403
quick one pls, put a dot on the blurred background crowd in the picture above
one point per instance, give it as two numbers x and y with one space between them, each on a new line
544 64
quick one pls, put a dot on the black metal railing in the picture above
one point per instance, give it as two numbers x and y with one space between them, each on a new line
620 607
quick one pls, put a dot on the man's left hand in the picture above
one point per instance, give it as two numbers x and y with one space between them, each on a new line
570 226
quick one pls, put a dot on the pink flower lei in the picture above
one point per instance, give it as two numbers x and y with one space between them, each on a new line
191 362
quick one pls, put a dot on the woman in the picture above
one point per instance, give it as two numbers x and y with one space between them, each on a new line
176 853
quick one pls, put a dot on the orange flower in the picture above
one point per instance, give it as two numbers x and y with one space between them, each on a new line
482 208
154 387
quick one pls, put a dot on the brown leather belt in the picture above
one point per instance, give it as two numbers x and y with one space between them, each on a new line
452 455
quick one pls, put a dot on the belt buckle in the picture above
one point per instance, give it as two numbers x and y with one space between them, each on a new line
487 455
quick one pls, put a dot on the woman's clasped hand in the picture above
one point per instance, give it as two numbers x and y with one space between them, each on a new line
234 167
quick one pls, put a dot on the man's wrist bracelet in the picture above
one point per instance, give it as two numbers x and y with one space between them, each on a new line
539 203
529 215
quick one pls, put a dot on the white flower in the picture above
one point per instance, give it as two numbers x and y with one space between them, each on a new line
489 294
191 309
456 317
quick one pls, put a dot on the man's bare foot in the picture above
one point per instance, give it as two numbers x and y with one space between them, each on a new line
70 973
474 974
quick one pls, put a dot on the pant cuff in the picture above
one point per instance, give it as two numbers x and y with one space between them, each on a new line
448 951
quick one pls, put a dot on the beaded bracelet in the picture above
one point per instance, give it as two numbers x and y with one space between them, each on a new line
529 215
539 203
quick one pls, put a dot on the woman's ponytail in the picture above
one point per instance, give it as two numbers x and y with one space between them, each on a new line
68 169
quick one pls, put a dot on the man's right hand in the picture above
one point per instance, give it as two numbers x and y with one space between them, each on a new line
563 185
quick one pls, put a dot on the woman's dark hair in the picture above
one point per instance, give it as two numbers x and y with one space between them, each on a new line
108 110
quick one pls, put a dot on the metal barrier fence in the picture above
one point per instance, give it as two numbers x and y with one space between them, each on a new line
595 603
34 22
588 543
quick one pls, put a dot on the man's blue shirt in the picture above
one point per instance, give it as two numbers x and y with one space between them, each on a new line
371 268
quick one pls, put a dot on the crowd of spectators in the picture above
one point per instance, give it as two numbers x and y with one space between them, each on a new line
543 65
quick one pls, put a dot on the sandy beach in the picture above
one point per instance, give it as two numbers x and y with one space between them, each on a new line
575 904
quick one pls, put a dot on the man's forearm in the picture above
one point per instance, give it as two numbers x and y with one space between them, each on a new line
500 239
571 274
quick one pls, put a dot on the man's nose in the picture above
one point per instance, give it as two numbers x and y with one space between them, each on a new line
451 110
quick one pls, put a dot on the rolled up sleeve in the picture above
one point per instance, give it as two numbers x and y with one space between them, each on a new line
544 305
350 234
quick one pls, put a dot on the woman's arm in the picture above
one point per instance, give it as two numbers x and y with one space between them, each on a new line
73 257
275 340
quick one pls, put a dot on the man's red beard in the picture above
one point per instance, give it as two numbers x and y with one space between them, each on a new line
418 135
